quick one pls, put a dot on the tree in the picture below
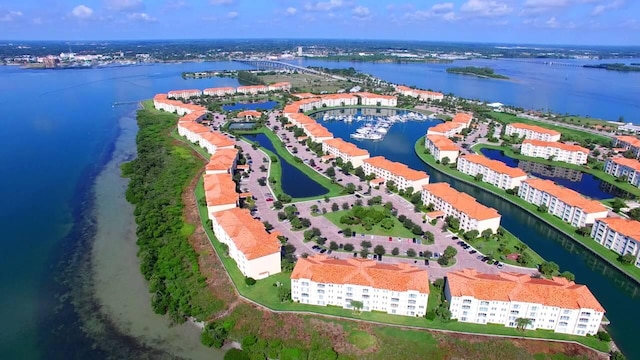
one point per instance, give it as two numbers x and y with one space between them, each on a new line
584 230
471 235
364 253
543 208
486 233
439 283
445 161
284 293
411 253
379 250
452 222
395 251
522 323
478 177
450 252
634 213
249 281
236 354
333 245
335 207
617 355
267 226
627 258
365 244
350 188
357 306
568 275
618 204
331 172
348 247
603 336
278 204
428 235
548 268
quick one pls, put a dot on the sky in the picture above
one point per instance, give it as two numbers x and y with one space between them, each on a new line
588 22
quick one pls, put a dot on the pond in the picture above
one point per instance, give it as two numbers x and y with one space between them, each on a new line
242 125
584 183
262 105
294 182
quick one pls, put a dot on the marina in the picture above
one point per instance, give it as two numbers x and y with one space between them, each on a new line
376 126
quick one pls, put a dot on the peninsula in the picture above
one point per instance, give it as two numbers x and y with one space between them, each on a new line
615 67
482 72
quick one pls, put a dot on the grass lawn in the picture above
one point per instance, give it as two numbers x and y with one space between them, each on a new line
362 340
396 231
333 189
606 254
573 134
581 120
308 82
512 245
508 151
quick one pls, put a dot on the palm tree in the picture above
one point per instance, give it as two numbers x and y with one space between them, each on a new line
357 306
522 323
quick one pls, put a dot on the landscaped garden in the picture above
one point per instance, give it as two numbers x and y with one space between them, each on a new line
373 220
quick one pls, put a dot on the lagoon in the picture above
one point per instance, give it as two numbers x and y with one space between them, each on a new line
262 105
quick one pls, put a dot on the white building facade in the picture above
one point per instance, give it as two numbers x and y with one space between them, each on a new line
555 151
532 132
629 168
620 235
399 173
493 172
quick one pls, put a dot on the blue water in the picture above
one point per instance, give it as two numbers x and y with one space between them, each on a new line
532 85
587 184
264 105
616 293
59 128
294 182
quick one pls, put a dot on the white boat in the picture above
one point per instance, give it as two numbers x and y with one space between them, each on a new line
382 130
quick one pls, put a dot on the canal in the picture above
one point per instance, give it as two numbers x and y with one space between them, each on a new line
261 105
614 290
294 182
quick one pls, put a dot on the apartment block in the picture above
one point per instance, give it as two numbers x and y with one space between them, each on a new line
572 154
441 147
532 132
620 166
346 151
399 173
618 234
493 172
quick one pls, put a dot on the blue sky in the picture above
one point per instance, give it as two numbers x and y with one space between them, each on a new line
605 22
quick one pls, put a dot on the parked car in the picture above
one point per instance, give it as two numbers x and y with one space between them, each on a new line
355 254
455 238
329 251
500 265
472 252
426 262
480 257
420 254
323 251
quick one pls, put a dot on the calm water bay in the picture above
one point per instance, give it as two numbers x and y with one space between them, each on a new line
60 129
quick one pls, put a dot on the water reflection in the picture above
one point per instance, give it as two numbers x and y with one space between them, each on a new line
550 171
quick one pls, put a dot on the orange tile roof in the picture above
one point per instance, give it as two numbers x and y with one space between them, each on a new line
291 109
247 87
223 89
317 130
304 95
281 84
220 189
507 286
346 147
395 277
302 119
223 159
445 127
247 233
568 196
427 92
193 116
463 118
396 168
630 163
558 145
217 138
534 128
375 96
495 165
327 157
633 141
249 113
377 181
460 201
194 127
338 96
443 143
179 92
435 214
626 227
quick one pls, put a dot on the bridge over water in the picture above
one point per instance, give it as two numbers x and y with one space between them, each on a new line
264 64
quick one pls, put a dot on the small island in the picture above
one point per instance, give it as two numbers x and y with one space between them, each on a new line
615 67
483 72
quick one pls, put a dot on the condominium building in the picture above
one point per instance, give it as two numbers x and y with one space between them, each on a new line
628 143
423 95
532 132
219 91
555 304
212 141
255 251
472 214
463 118
620 235
572 154
249 114
192 131
564 203
317 132
223 161
300 120
399 173
441 147
620 166
331 100
447 129
399 289
184 94
162 102
220 193
493 172
369 99
280 86
346 151
252 89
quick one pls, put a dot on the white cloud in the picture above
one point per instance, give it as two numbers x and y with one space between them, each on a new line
439 10
125 5
174 4
232 14
442 7
552 22
485 8
82 12
324 5
361 12
222 2
290 11
606 7
10 15
143 17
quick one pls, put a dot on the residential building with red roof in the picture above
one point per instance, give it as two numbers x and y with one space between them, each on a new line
213 141
184 94
249 114
555 304
370 99
255 251
346 151
423 95
333 100
280 86
463 118
317 132
572 154
620 235
447 129
399 289
628 143
192 130
403 176
252 89
532 132
464 207
219 91
621 166
441 147
564 203
220 193
493 172
223 161
300 120
162 102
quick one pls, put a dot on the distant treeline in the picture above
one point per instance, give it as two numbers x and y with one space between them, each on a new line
615 67
342 72
249 78
477 71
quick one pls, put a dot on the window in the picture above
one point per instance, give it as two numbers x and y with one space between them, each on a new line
484 303
466 301
564 318
321 286
466 307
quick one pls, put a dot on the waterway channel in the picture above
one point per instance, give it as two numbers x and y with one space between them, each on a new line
294 182
261 105
614 290
585 184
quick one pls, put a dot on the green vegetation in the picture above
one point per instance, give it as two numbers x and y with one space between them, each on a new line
308 82
608 255
508 151
499 246
248 78
167 260
362 340
483 72
582 137
614 67
374 220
